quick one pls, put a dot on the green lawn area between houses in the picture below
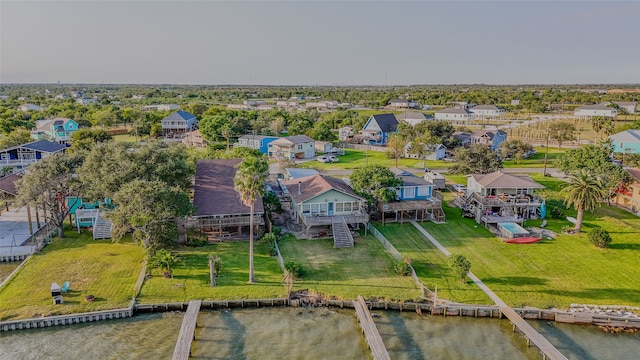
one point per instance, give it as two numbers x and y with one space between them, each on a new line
365 269
552 273
191 276
100 268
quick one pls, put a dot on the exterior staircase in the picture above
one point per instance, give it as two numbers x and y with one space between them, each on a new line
342 237
101 228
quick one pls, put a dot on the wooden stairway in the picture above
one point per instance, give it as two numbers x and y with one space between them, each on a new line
342 237
101 228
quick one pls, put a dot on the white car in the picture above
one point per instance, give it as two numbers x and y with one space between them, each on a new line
459 188
323 159
333 159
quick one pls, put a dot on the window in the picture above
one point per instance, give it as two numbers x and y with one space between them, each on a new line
423 191
409 192
339 207
299 146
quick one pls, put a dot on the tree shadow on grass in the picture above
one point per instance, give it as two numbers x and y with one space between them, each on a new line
626 295
624 246
514 281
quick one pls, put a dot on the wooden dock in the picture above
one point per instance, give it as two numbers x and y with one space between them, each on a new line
372 336
548 350
187 331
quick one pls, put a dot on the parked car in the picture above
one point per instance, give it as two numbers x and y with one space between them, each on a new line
333 158
459 188
323 159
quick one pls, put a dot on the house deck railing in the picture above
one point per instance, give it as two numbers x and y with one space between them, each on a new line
507 200
406 205
357 218
210 222
13 162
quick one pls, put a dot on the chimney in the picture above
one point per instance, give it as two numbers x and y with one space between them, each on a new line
299 187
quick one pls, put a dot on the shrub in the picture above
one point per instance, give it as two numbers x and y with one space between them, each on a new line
402 267
270 240
294 268
556 213
600 238
460 265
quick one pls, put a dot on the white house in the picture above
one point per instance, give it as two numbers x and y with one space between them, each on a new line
287 103
345 133
631 107
413 117
402 104
455 115
161 107
483 112
589 111
325 104
293 147
29 107
178 123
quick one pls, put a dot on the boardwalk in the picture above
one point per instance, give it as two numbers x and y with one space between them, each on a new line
187 331
547 349
371 334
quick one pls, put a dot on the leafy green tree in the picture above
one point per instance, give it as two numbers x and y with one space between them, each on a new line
514 149
48 183
103 118
149 209
424 145
395 146
584 191
375 182
561 132
249 183
597 123
322 132
85 139
459 265
477 159
15 138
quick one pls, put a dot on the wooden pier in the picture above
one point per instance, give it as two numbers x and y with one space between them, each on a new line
372 336
187 331
547 349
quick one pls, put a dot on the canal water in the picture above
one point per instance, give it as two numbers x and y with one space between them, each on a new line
303 333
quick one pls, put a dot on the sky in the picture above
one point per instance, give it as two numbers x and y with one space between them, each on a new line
320 42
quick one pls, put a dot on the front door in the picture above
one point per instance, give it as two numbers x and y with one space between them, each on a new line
330 208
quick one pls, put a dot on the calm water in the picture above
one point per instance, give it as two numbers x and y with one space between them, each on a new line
309 334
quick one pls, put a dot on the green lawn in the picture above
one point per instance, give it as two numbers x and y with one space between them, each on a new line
100 268
537 160
191 276
354 158
365 269
127 138
431 265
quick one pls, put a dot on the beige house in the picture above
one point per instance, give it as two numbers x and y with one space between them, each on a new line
293 147
194 138
629 197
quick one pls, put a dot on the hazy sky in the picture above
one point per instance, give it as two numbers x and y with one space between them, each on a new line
322 42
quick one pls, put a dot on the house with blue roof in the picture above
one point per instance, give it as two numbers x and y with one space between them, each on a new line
258 142
378 128
58 130
415 200
178 123
21 156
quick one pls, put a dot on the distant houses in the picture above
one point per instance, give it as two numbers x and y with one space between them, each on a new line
626 142
161 107
58 130
178 123
21 156
29 107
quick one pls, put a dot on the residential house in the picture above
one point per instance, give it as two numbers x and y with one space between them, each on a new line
589 111
515 102
413 118
402 104
258 142
491 138
346 133
21 156
57 130
287 103
415 200
238 106
292 147
455 115
487 112
463 137
325 204
378 128
438 153
87 101
178 123
194 138
161 107
434 177
631 107
62 96
322 105
29 107
500 197
219 211
626 142
323 146
629 196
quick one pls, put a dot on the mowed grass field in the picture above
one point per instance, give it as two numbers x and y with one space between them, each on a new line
191 276
354 158
551 273
365 269
100 268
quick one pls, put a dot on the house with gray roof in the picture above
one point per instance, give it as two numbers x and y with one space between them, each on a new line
588 111
292 147
491 138
487 112
501 197
20 156
631 107
626 142
378 128
58 130
458 115
178 123
219 211
413 118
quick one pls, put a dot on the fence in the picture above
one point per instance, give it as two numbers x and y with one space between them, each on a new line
364 147
397 256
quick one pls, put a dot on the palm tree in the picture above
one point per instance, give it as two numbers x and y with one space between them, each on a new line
584 192
597 123
166 260
249 183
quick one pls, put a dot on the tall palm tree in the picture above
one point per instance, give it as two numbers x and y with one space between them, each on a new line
584 191
249 183
597 123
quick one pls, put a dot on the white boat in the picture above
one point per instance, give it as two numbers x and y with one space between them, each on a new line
572 220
